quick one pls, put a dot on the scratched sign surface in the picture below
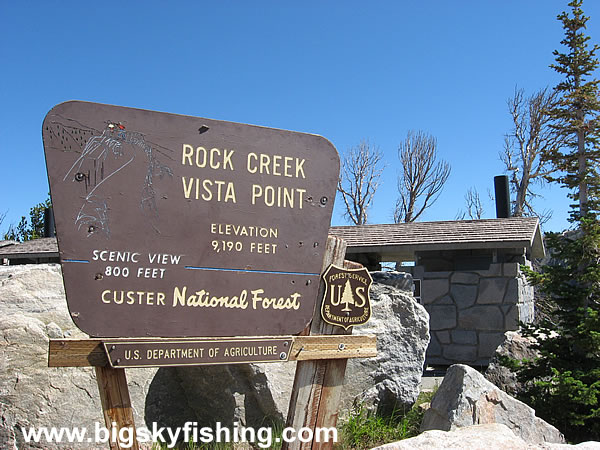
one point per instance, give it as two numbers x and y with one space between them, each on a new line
177 226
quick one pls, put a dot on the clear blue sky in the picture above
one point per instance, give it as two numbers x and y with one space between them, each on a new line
346 70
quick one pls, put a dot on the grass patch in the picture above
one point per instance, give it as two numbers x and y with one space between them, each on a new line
365 429
362 430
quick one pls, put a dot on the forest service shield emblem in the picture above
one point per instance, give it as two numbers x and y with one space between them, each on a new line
346 301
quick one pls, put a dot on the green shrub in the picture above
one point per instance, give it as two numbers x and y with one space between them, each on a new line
365 429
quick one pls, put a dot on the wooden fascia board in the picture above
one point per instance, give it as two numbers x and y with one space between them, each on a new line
411 249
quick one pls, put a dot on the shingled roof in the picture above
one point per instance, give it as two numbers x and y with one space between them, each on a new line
401 240
34 249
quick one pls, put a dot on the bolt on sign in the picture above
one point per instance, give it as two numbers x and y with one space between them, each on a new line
347 302
177 226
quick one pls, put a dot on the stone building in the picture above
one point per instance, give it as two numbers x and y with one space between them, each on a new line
467 275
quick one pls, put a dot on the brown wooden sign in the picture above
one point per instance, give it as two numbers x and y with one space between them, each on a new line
196 352
346 302
177 226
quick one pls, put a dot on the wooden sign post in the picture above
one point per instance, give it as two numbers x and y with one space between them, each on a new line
128 186
317 384
115 400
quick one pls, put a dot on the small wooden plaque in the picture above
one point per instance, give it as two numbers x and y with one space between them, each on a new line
187 352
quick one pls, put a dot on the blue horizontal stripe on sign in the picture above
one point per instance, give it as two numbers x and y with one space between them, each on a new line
76 260
273 272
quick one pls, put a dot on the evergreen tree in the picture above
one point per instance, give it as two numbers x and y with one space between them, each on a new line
563 383
576 114
32 229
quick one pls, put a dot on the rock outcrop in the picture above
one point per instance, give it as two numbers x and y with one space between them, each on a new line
466 398
33 310
391 380
516 347
477 437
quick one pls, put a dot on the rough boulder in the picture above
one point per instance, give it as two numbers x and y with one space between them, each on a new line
514 346
391 380
466 398
477 437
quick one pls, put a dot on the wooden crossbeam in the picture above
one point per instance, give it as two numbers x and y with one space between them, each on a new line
90 352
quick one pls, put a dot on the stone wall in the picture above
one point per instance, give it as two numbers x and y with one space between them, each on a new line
470 310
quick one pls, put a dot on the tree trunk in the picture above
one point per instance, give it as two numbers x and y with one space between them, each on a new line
581 169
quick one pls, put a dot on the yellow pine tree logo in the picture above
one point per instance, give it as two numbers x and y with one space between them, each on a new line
347 297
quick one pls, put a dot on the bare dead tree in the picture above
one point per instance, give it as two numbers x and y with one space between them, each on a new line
523 146
359 180
422 177
474 206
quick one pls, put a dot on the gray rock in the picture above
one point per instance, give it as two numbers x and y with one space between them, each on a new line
445 300
488 342
464 278
464 337
512 291
526 312
491 290
53 331
434 348
442 317
227 394
35 290
279 382
464 295
391 380
477 437
465 353
514 346
466 398
510 269
481 318
444 336
399 280
511 316
33 310
495 270
434 274
434 289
